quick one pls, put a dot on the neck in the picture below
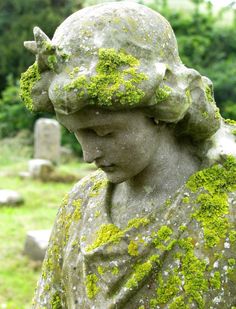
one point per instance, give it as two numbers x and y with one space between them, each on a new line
170 168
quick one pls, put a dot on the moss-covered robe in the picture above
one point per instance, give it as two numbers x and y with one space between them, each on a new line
182 256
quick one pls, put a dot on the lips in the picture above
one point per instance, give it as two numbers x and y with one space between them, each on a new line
107 167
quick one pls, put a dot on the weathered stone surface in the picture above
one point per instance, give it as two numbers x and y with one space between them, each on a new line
47 140
36 244
10 197
40 169
152 228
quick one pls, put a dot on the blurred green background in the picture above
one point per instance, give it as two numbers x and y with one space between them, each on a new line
207 42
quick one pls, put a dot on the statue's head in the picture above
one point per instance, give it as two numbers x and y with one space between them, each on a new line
118 56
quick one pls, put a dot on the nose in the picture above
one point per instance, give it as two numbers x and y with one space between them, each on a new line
91 155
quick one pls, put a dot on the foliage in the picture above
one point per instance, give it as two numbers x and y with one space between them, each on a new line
17 19
13 115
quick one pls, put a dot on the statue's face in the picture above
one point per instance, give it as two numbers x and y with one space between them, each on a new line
121 143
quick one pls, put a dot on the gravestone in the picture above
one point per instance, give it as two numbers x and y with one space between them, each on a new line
47 140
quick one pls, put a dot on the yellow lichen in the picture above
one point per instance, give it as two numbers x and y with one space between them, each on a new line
91 285
133 248
27 82
116 79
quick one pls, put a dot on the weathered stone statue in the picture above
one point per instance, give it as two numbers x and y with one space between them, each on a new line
155 226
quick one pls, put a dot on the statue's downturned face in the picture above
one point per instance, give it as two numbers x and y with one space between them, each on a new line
121 143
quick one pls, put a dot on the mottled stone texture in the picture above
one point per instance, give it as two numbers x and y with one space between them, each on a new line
47 140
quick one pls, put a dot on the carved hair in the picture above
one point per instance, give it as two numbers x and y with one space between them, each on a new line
119 56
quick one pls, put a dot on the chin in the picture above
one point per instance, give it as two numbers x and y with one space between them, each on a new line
116 179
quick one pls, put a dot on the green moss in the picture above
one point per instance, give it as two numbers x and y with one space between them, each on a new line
113 81
217 113
166 290
161 238
52 61
168 202
205 115
209 94
115 271
183 228
189 276
211 214
185 200
100 270
140 272
230 121
97 187
27 82
137 222
193 271
178 303
163 93
133 248
231 262
108 233
77 213
233 132
216 182
91 285
97 213
232 236
74 72
48 46
164 233
215 281
56 301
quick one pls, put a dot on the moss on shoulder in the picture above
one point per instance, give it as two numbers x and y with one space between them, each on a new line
213 186
108 233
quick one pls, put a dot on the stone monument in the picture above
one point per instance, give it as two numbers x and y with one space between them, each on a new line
47 140
155 226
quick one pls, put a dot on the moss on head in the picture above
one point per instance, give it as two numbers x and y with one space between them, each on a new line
27 82
116 79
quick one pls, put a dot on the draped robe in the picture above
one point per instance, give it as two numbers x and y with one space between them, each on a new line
161 260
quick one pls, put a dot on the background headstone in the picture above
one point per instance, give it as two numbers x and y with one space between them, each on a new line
47 139
36 244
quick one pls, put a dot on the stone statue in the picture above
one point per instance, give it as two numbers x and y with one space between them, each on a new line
155 226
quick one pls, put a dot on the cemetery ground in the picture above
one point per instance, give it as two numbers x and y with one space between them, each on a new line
19 274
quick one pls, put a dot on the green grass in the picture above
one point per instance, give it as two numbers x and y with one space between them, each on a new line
18 274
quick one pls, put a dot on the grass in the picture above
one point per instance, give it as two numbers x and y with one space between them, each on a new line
18 274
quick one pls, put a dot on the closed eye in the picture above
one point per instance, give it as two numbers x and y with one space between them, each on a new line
103 134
